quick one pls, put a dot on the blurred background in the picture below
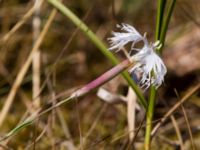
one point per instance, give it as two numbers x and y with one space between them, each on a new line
68 60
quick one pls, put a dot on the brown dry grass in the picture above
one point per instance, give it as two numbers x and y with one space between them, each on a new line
69 60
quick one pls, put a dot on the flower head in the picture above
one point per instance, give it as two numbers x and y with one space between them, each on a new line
148 64
120 39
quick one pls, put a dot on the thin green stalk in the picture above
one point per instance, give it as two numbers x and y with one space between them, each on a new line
166 23
149 118
161 29
161 7
150 110
99 44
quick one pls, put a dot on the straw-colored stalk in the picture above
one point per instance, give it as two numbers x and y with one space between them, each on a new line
36 55
20 76
131 108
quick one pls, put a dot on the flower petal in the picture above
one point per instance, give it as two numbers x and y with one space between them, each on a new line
119 40
148 63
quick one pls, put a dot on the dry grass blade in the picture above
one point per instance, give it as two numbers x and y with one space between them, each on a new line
131 108
79 125
24 69
177 105
36 56
189 128
187 122
104 107
20 23
177 129
38 137
64 125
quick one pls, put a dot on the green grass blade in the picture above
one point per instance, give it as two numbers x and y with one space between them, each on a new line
17 129
161 29
166 22
99 44
159 18
149 117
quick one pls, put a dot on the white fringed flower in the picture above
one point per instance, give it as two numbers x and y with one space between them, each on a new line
120 39
148 63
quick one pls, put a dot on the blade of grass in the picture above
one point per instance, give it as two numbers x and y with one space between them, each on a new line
131 113
166 23
36 62
161 7
20 76
17 129
20 23
149 117
177 130
99 44
161 29
175 107
187 122
80 92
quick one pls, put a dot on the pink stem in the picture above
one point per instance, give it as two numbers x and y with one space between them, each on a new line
102 79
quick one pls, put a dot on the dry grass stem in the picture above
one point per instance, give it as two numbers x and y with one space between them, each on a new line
173 109
21 22
178 132
39 137
94 124
131 110
46 61
188 127
79 126
36 55
24 69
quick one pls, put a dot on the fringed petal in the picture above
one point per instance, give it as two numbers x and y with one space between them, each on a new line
148 63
